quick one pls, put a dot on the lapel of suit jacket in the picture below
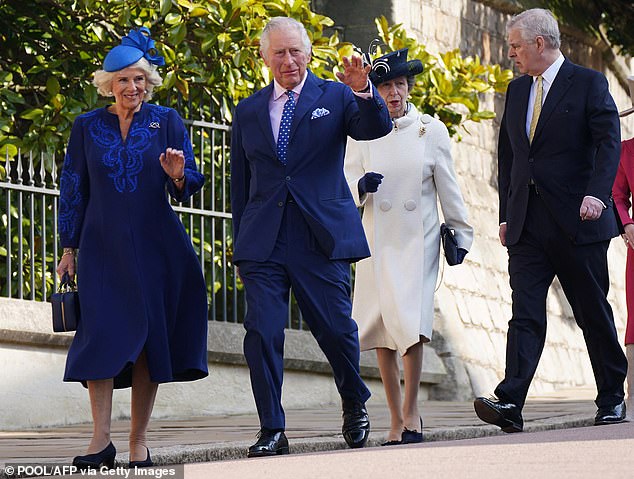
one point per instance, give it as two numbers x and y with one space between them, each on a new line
519 107
562 82
264 117
309 95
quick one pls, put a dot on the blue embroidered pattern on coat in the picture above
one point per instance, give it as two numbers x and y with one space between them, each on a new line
70 199
125 159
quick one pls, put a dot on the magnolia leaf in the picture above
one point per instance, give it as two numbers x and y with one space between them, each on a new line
178 33
5 77
169 80
240 57
166 6
52 86
235 4
7 150
12 96
207 44
224 40
259 10
182 86
198 12
32 114
297 6
173 19
58 101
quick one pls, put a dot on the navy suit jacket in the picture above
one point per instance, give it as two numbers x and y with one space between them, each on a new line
326 113
574 153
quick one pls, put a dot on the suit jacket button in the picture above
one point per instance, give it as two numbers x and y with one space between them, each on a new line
280 203
385 205
288 178
410 205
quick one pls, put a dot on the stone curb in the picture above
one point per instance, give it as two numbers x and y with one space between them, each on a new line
223 451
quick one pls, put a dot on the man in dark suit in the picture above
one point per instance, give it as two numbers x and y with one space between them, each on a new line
558 153
295 223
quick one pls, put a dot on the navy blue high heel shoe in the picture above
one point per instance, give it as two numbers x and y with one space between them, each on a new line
97 460
146 463
411 437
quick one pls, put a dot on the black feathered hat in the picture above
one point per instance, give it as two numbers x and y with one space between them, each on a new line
393 65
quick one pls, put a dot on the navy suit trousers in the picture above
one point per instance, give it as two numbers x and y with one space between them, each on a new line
322 289
543 252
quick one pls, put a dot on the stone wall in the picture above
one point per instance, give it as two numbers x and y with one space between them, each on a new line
473 302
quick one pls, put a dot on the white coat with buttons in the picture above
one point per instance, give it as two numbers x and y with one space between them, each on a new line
393 300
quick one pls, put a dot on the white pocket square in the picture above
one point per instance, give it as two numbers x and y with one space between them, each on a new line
318 113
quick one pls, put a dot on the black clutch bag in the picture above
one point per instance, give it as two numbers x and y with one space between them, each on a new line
449 245
65 306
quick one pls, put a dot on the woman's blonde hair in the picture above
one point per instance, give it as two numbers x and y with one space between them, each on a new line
103 79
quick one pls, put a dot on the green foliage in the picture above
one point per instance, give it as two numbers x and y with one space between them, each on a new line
450 84
50 50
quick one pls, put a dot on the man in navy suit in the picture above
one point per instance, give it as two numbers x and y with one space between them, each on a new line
558 153
295 223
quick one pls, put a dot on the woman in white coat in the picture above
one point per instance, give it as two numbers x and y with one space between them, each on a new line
398 179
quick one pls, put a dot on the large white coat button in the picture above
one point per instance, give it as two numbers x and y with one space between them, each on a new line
385 205
410 205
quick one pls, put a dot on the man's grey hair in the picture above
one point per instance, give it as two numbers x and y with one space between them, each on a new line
536 22
283 23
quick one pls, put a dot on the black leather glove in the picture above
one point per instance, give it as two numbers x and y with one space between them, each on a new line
369 183
461 254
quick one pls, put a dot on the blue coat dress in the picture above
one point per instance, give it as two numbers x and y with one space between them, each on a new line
139 280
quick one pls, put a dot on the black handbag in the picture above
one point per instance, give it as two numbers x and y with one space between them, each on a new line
65 305
449 245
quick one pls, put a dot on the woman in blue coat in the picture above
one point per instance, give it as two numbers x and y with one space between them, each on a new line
142 294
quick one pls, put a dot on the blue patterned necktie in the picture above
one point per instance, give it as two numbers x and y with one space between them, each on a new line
285 127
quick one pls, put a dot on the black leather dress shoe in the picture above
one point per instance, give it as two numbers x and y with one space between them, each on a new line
270 443
506 415
610 414
356 423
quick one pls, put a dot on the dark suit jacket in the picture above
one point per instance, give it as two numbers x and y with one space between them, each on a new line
575 152
326 113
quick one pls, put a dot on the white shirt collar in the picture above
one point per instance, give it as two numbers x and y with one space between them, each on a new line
279 90
551 72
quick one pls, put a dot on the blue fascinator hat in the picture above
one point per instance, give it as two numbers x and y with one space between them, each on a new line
135 45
